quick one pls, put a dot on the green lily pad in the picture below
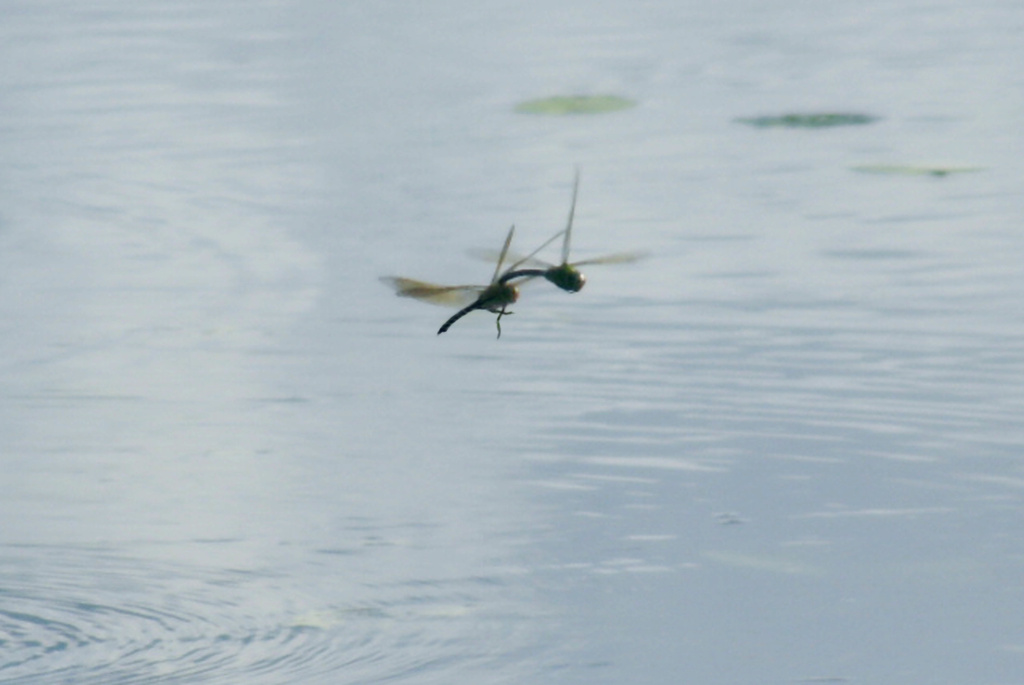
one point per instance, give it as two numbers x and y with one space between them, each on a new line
575 104
913 170
813 120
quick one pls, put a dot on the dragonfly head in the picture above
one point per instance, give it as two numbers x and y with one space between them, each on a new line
567 278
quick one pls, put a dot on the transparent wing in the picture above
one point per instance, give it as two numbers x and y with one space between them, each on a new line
504 251
521 260
617 258
531 258
444 295
572 213
565 234
515 259
526 260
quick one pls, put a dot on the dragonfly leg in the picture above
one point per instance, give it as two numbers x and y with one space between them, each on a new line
498 320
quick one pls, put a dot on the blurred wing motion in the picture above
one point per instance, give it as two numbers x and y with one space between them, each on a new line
444 295
564 275
504 253
572 213
617 258
523 260
493 297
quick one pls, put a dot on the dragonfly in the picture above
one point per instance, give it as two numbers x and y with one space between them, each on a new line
494 297
565 275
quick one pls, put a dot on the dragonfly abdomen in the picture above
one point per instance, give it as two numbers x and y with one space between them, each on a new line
494 299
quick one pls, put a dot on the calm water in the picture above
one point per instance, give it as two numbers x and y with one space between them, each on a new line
786 448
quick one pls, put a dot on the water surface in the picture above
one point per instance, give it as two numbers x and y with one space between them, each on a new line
785 448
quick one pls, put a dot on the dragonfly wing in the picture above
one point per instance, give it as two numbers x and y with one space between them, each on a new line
491 256
516 259
618 258
572 213
504 251
531 258
445 295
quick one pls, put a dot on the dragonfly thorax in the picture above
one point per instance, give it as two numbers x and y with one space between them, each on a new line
566 277
499 296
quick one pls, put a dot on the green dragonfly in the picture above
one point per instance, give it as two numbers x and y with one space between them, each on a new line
565 275
494 297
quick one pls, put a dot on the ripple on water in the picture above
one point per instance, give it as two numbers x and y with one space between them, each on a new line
72 615
89 615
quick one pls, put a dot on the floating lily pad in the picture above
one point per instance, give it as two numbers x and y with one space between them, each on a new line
912 170
815 120
575 104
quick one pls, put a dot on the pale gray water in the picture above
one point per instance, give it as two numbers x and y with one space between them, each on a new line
787 448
